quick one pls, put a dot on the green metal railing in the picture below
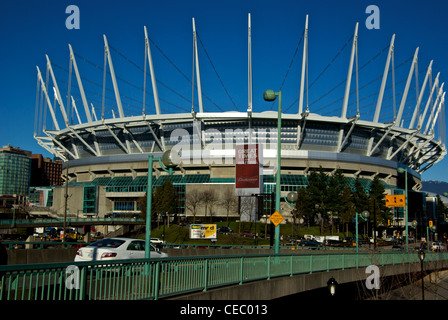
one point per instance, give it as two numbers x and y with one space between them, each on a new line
158 278
68 221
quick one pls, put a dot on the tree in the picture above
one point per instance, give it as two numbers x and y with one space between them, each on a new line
229 202
303 205
336 185
347 208
360 197
318 193
143 202
192 202
164 200
377 203
209 199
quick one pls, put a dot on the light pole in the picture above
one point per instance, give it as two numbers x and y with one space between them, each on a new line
428 229
421 256
405 171
168 160
364 215
148 209
271 95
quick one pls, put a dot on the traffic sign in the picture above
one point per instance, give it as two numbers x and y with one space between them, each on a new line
276 218
396 200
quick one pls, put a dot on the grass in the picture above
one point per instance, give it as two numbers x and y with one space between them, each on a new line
181 235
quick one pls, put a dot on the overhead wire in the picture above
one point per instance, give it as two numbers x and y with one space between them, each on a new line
216 72
290 65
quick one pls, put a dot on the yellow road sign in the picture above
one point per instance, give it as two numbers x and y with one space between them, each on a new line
396 200
276 218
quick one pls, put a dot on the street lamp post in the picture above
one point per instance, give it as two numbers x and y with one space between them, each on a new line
405 171
364 215
421 256
168 160
148 208
270 95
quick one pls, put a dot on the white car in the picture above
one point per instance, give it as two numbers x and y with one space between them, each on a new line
438 246
157 241
116 248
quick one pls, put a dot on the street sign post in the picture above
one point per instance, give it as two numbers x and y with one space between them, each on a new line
276 218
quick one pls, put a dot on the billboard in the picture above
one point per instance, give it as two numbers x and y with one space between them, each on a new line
248 169
203 231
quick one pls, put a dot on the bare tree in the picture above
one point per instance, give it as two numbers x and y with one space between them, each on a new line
229 202
193 201
209 199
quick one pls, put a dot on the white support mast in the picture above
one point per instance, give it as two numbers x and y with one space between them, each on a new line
198 76
304 65
350 71
441 103
50 107
114 80
383 83
420 96
406 89
153 77
347 92
434 107
81 88
76 110
57 93
422 118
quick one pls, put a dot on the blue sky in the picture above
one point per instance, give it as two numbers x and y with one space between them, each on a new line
31 29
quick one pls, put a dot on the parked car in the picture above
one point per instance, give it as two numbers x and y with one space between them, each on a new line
157 241
224 230
310 243
115 249
248 234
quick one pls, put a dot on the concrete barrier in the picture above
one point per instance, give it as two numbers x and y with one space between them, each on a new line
32 256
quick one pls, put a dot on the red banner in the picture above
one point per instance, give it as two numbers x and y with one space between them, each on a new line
248 169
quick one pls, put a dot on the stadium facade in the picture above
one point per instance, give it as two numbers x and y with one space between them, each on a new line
106 159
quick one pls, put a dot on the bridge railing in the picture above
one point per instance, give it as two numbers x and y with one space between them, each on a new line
157 278
68 220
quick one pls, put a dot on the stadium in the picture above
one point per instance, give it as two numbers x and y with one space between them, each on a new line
106 156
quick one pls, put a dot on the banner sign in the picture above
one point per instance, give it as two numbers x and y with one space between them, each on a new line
203 231
248 169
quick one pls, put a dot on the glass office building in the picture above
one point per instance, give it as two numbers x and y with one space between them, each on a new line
15 172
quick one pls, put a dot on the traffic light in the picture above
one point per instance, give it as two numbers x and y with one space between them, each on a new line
430 223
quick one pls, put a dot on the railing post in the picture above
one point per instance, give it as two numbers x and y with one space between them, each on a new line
311 263
291 268
82 287
241 270
269 267
157 279
205 275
